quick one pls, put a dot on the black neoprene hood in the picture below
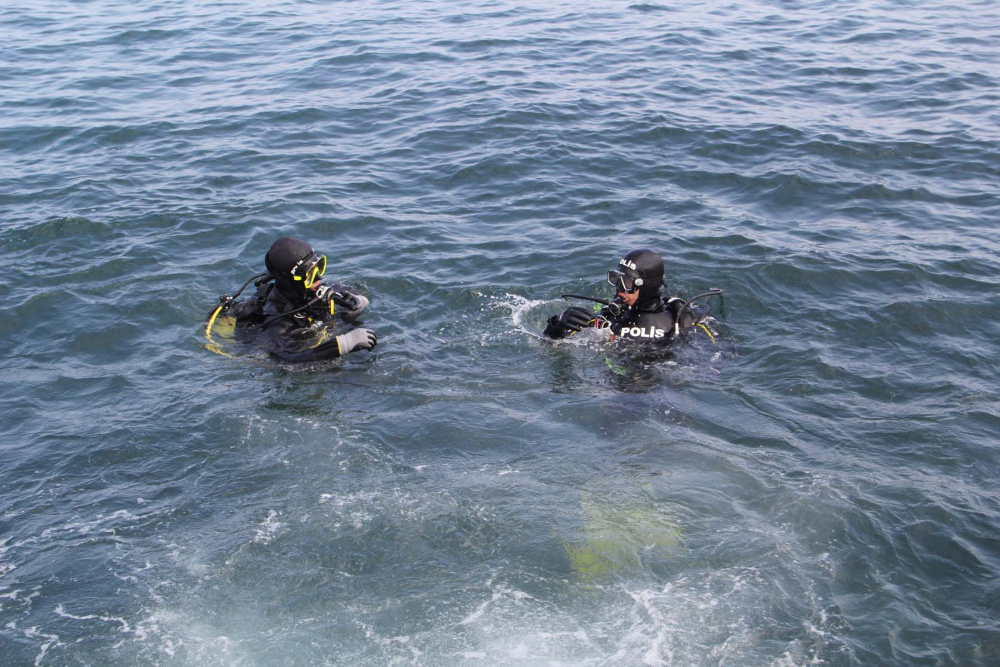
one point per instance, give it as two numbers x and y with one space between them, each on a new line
648 265
284 254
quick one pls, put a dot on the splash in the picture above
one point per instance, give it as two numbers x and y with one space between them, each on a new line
517 308
518 311
268 529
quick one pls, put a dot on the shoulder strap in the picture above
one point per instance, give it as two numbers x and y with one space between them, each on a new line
253 310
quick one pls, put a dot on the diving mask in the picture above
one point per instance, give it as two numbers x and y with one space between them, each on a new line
309 270
623 282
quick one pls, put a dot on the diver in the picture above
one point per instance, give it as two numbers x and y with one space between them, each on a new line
292 309
638 312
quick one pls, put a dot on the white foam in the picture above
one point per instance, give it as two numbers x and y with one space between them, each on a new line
52 642
5 568
497 594
90 528
705 618
360 508
110 619
268 528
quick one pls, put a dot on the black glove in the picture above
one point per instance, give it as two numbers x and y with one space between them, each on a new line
574 318
352 306
357 339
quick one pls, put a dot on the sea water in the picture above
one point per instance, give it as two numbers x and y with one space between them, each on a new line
819 486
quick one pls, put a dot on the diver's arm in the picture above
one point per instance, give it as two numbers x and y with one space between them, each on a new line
568 322
353 341
553 330
289 343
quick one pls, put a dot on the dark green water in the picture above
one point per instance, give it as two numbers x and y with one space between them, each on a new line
471 494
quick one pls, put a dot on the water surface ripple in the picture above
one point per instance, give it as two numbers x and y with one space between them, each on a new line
823 493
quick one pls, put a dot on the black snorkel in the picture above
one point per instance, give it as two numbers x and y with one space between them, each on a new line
614 306
585 298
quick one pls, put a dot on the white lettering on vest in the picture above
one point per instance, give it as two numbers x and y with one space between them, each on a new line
643 332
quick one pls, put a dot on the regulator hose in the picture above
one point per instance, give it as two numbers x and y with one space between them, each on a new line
715 291
586 298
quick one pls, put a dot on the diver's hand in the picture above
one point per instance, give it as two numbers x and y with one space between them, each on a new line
353 306
357 339
574 318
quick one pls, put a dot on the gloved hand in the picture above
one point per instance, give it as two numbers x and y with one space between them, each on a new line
574 318
357 339
354 306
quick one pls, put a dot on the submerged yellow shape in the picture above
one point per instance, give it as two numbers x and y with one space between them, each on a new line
615 536
223 327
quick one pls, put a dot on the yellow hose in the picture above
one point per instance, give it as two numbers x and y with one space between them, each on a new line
211 345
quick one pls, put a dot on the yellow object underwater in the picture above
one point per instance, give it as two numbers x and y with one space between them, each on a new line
615 535
225 328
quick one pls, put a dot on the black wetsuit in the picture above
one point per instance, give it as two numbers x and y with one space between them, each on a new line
307 335
294 312
649 322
